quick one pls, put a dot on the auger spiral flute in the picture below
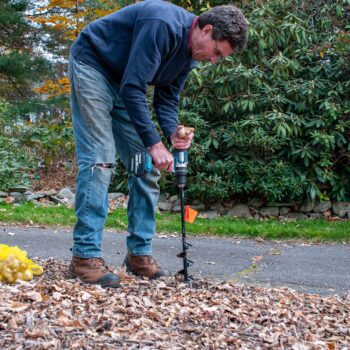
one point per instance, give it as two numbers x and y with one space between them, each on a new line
181 171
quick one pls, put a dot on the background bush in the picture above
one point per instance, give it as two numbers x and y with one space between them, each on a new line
275 122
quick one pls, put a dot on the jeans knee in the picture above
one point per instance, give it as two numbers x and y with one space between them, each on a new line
104 166
103 171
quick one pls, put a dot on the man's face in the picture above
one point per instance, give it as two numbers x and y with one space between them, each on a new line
205 49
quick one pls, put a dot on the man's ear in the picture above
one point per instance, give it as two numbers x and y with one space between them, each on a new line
207 29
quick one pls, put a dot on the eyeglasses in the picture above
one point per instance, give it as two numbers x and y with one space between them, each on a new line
217 52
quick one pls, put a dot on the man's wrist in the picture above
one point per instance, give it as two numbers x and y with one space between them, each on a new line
156 145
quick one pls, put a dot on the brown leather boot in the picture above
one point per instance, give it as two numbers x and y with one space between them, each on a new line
144 265
94 271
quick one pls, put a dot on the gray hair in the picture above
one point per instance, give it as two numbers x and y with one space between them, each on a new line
228 24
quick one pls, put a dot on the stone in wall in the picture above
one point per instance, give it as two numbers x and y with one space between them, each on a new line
307 206
341 209
270 212
220 208
284 210
255 202
165 206
281 204
115 195
295 216
210 214
65 193
315 215
322 207
240 211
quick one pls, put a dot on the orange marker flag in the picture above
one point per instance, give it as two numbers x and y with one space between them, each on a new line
190 214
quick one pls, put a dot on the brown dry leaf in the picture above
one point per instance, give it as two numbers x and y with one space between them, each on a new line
257 258
327 213
123 274
153 314
19 306
66 322
333 218
53 344
56 296
12 323
35 333
79 344
84 296
9 200
275 252
35 296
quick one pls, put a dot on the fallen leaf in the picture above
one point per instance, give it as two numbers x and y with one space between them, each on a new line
275 252
85 296
57 296
123 274
35 296
35 333
257 258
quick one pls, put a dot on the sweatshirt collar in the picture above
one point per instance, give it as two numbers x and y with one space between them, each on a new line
190 33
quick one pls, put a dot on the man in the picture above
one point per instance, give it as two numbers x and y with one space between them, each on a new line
112 62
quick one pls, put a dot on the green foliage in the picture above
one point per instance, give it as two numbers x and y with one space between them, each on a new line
275 122
15 159
50 142
21 61
22 67
16 163
25 145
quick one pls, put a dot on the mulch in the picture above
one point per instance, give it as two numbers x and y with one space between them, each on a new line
51 312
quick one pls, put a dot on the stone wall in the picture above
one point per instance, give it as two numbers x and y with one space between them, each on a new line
253 209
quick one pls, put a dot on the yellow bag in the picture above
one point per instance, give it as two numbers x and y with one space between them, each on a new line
15 265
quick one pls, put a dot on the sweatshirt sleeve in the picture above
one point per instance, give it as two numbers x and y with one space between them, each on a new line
152 40
165 102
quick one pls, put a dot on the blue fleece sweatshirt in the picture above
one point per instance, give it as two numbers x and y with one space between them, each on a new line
145 43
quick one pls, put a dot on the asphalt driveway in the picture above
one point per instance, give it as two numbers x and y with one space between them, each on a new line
321 268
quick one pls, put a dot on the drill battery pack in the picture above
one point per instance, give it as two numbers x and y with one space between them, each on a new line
141 163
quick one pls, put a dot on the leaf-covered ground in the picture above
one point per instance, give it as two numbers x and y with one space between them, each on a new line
53 313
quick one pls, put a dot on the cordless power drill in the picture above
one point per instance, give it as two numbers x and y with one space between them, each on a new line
141 163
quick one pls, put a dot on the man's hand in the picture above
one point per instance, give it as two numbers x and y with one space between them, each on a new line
182 137
162 158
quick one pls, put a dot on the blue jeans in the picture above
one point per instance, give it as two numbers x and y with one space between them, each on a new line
103 127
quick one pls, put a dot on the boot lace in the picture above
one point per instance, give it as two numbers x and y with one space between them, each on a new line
149 260
100 263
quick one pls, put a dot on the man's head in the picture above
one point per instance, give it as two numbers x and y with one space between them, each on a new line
219 32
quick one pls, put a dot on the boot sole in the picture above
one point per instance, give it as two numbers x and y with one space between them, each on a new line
71 275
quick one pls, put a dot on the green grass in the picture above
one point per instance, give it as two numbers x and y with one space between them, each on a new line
319 230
